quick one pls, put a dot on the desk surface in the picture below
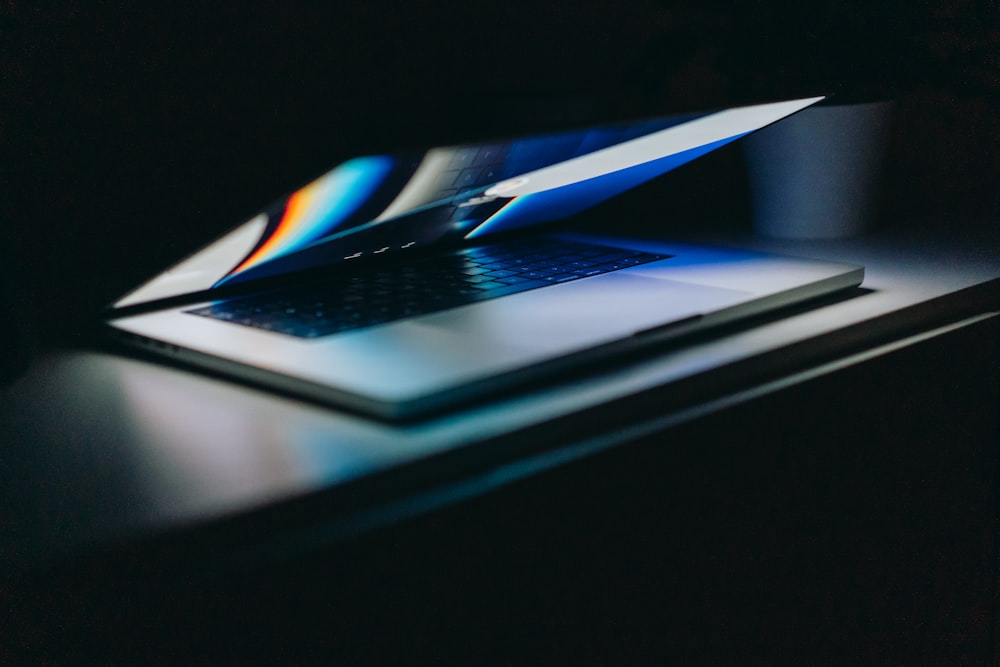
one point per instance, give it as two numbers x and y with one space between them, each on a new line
102 448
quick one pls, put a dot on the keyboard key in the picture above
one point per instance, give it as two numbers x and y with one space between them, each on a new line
489 285
514 280
463 158
500 273
467 178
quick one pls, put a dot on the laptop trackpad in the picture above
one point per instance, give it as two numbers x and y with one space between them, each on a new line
584 312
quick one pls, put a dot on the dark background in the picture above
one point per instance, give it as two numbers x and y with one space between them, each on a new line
131 134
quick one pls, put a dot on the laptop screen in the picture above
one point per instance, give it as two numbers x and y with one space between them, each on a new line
391 204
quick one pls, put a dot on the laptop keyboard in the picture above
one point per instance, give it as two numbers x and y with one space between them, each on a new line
377 296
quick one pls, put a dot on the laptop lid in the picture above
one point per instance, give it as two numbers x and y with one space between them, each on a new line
376 207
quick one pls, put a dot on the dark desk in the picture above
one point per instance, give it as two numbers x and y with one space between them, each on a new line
818 488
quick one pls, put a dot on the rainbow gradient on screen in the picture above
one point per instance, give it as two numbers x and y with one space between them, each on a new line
316 210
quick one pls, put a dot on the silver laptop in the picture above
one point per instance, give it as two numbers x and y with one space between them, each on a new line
399 285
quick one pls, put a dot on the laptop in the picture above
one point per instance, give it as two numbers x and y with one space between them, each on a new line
405 284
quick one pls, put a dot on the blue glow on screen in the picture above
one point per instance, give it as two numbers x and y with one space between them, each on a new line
569 199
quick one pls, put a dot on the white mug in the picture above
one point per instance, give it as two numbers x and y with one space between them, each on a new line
817 174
